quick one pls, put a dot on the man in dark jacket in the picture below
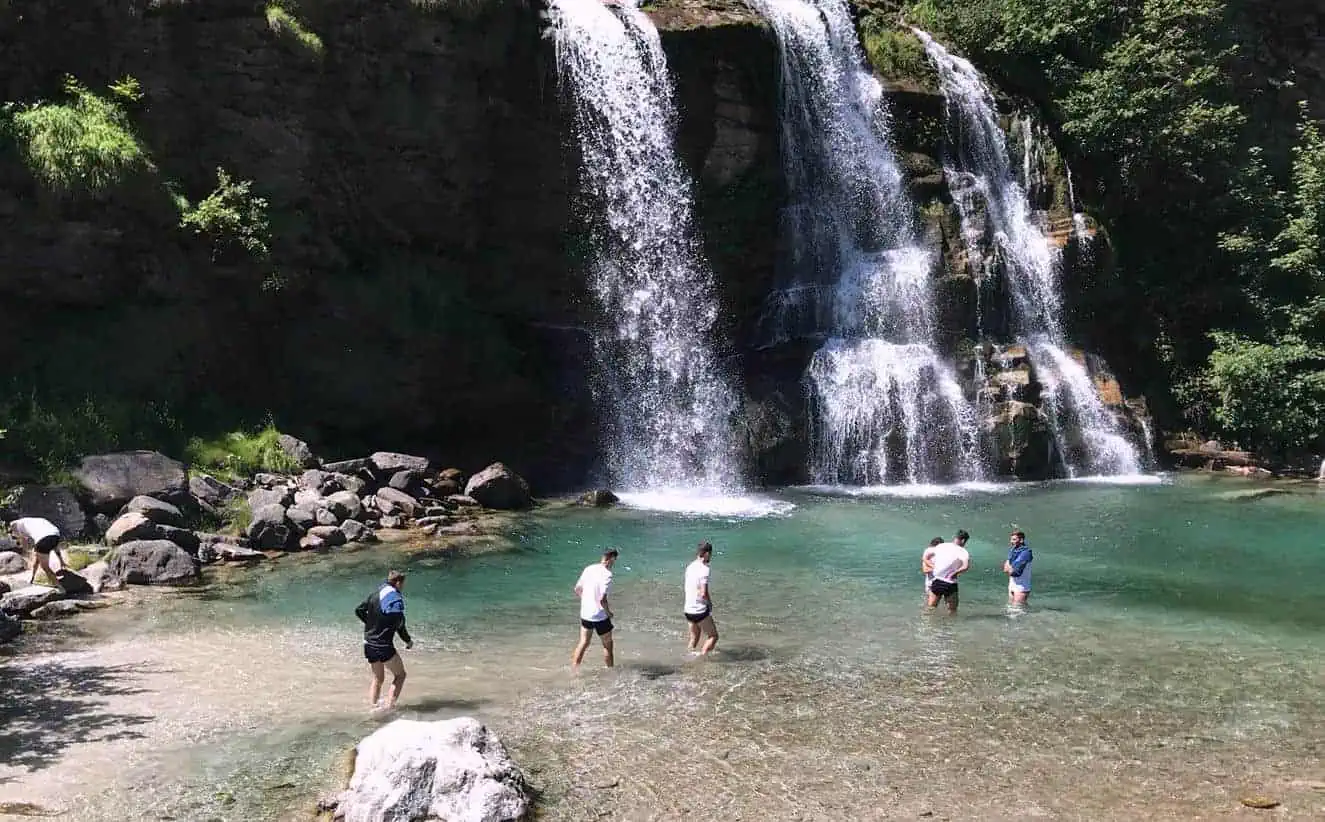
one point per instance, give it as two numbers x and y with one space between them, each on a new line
383 616
1018 569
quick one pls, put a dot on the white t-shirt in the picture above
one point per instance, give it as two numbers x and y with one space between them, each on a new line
947 558
594 583
35 528
697 576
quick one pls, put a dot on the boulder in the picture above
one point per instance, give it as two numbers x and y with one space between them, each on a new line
270 529
9 628
230 552
348 466
303 516
29 598
326 517
312 480
353 530
73 583
392 521
600 498
162 513
153 562
130 527
12 562
329 534
4 587
108 481
263 497
62 608
7 544
311 543
182 537
453 769
446 487
462 501
408 480
298 450
210 491
311 500
390 501
346 482
345 505
387 462
99 577
499 487
452 475
55 503
1022 439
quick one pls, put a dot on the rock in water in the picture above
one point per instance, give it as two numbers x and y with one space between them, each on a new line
9 628
153 562
602 498
108 481
499 487
454 770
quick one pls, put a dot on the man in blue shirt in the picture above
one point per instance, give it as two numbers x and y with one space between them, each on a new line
1018 569
383 616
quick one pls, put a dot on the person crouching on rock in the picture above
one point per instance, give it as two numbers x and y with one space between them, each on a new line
383 616
43 538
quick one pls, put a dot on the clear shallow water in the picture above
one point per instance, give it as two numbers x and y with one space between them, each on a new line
1171 661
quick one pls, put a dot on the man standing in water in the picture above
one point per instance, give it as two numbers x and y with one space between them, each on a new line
595 612
1018 569
383 616
699 601
946 562
926 567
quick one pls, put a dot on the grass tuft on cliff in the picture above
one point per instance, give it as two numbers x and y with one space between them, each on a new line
897 56
85 145
241 454
288 27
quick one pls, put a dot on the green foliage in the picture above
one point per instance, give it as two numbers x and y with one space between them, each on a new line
897 55
287 26
241 454
53 434
232 217
1270 396
83 146
235 516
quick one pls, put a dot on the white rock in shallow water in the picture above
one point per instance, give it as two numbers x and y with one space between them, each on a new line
455 770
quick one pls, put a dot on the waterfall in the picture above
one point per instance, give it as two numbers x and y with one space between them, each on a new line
1089 435
884 405
667 404
1321 474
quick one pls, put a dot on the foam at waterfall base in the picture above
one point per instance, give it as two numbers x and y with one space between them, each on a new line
1122 479
705 502
910 490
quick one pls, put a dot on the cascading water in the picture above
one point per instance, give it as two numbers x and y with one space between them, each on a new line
884 406
668 406
1088 434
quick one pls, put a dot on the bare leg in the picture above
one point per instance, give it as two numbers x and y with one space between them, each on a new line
396 666
375 688
43 561
609 657
952 602
1021 597
694 635
577 656
710 627
931 601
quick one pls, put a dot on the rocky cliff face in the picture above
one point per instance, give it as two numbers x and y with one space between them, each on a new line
420 184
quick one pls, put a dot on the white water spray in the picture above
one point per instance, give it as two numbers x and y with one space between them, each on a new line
1087 432
884 406
668 406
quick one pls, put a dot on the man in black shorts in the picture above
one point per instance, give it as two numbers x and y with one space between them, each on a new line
383 616
595 613
43 538
699 601
946 562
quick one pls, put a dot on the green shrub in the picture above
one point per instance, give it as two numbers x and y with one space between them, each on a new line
83 146
241 454
286 26
52 433
232 216
897 55
235 516
1270 396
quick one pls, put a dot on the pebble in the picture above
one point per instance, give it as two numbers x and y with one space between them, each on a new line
1261 802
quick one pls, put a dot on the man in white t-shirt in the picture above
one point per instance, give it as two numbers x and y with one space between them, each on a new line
926 569
595 612
946 562
699 601
42 537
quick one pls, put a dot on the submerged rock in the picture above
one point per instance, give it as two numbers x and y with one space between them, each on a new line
108 481
601 498
454 770
499 487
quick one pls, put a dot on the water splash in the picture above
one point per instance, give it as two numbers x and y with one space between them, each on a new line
668 405
1087 432
884 407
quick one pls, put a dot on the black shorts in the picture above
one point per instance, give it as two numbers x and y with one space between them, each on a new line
941 588
602 627
697 618
376 653
47 544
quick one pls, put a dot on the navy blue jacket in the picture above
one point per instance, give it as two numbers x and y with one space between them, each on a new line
383 615
1019 558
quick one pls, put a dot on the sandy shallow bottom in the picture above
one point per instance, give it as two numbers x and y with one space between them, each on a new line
218 723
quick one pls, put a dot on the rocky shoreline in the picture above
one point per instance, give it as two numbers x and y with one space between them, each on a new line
142 518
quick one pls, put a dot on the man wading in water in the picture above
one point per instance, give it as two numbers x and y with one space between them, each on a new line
699 602
595 613
946 562
383 616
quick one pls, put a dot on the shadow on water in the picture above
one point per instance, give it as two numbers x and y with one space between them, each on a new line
742 653
437 704
50 706
651 670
